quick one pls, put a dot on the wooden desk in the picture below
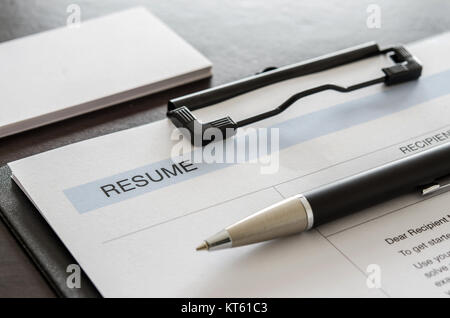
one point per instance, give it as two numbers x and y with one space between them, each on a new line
239 37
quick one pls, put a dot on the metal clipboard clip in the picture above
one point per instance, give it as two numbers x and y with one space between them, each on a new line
406 68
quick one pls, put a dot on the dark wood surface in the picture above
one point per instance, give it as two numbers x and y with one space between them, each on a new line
239 37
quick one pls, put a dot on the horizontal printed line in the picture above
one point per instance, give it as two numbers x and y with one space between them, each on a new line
286 181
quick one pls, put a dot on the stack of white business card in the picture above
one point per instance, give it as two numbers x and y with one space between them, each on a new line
68 71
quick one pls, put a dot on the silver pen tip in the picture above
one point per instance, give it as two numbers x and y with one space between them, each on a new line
202 247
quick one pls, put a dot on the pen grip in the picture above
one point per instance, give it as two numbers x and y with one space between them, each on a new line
374 186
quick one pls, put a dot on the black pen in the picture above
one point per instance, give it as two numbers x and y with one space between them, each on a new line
423 171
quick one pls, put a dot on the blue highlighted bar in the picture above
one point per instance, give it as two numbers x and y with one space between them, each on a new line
129 184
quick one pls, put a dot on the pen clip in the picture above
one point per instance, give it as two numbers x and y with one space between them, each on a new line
440 185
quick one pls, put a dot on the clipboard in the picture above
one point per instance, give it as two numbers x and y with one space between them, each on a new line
48 252
38 240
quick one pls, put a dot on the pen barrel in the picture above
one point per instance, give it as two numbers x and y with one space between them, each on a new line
374 186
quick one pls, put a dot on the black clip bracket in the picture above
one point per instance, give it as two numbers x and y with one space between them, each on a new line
180 109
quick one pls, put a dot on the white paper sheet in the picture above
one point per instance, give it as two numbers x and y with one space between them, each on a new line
73 70
143 243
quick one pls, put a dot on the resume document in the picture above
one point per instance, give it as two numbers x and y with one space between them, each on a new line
132 215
